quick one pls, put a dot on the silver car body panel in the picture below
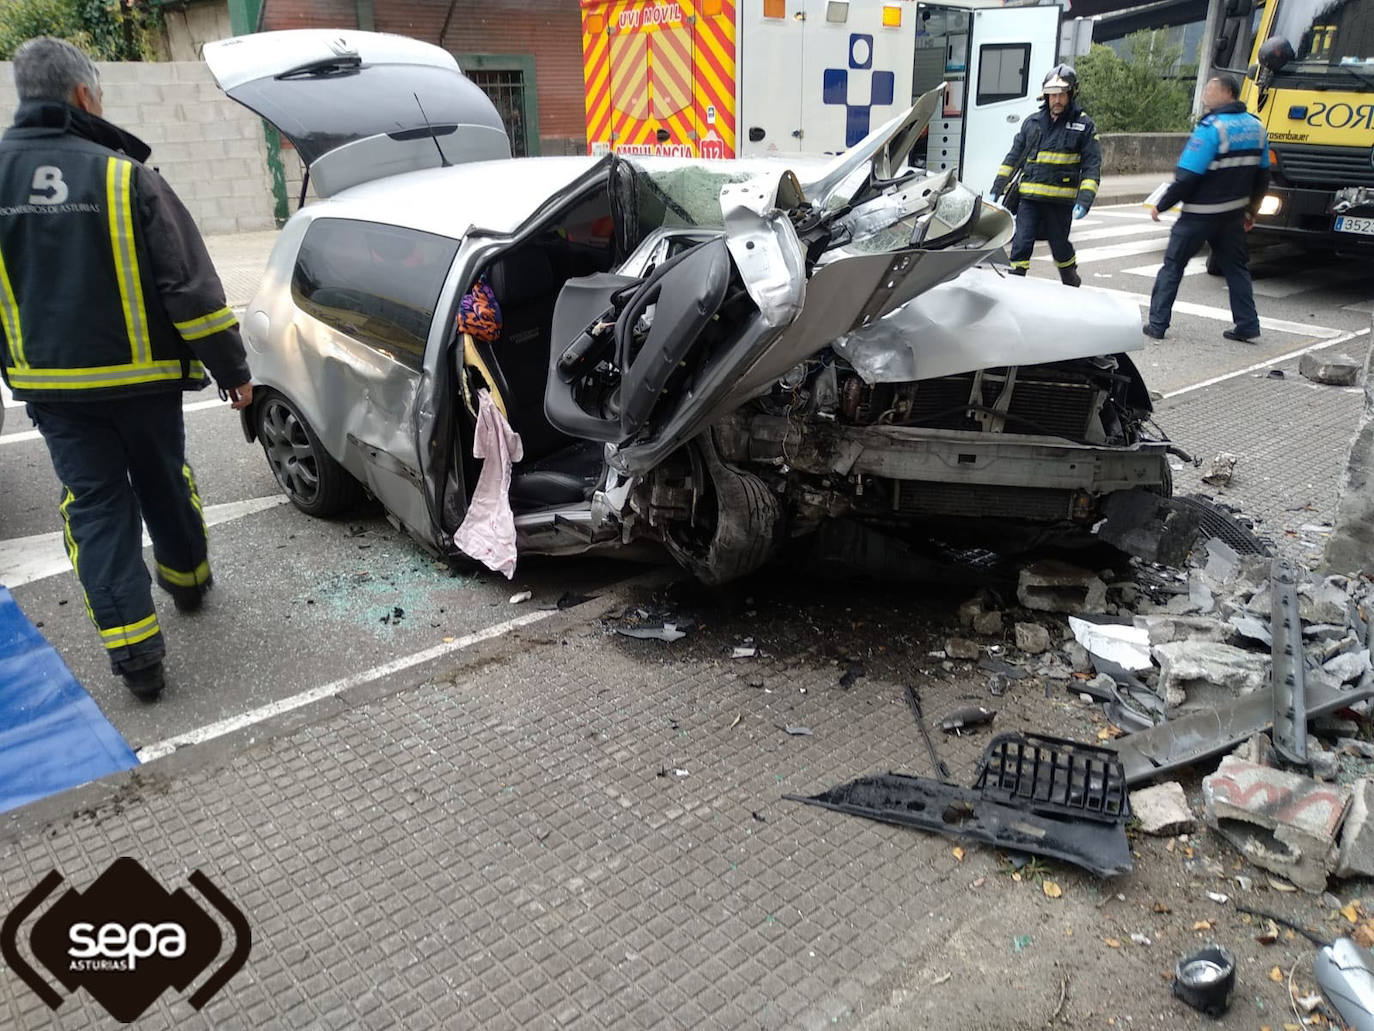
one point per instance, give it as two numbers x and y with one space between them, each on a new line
983 319
360 106
764 247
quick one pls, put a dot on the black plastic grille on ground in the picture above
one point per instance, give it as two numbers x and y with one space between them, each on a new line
1054 777
1216 522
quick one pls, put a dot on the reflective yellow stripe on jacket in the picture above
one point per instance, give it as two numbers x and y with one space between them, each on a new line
1041 190
1058 157
9 318
29 378
216 322
123 636
119 197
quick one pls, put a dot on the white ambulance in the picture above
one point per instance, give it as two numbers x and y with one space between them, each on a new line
726 78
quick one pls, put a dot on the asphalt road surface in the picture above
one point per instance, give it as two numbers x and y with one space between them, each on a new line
302 605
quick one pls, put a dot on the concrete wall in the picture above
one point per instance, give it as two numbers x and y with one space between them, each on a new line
210 149
1131 153
186 29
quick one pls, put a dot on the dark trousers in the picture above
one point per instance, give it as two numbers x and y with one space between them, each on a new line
122 463
1225 234
1038 220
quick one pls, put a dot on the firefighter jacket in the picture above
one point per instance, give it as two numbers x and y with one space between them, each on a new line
1062 157
106 289
1224 166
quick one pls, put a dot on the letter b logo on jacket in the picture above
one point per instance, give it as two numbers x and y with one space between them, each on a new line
48 186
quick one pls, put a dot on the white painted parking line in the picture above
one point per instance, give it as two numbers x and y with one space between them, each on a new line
1343 338
265 712
1115 232
1224 315
26 559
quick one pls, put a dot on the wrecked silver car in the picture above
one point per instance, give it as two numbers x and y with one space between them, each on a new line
715 357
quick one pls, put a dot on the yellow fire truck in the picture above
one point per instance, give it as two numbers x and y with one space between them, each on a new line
1311 81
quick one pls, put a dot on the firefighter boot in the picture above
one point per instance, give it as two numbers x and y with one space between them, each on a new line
1069 276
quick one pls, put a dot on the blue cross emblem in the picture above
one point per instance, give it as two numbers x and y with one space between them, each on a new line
858 108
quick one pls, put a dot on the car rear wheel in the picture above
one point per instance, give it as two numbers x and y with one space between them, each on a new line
309 476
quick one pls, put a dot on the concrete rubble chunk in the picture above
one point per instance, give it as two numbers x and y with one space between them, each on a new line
1348 667
1323 764
1032 638
1279 821
1163 810
1357 840
1164 628
1221 470
1183 664
1324 602
1053 586
1077 657
988 623
1200 592
1355 748
1253 629
1338 370
962 648
969 611
1258 751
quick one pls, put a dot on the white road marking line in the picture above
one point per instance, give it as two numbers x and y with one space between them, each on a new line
265 712
23 435
1224 315
26 559
1115 232
1195 267
1364 307
1320 345
1154 245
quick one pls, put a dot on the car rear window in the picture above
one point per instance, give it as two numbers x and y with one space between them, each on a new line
376 283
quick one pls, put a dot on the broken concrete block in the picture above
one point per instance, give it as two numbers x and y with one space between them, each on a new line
988 623
1324 602
969 611
1258 750
1221 470
1357 840
1348 667
1077 657
962 648
1253 629
1355 748
1183 664
1163 810
1280 821
1032 638
1200 592
1323 764
1339 370
1164 628
1052 586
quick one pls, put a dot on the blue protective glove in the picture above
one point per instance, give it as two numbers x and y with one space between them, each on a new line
1079 211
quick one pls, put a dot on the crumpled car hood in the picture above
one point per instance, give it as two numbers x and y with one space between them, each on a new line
983 319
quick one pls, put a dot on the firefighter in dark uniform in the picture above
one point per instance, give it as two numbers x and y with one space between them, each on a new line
110 308
1221 179
1063 163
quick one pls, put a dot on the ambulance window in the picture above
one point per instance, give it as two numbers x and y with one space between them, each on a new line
376 283
1003 71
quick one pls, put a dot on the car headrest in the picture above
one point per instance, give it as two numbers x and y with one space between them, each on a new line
521 276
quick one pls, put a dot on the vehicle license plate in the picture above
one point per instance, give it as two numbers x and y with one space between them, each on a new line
1345 224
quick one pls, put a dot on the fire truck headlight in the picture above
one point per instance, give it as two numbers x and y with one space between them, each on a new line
1271 205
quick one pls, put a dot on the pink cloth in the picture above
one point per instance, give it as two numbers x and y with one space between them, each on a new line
488 530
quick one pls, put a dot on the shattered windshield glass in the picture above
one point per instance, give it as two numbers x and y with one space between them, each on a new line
683 197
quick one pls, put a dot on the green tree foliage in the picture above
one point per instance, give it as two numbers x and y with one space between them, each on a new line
100 27
1138 94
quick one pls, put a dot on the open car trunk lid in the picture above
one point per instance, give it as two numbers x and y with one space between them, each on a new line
358 106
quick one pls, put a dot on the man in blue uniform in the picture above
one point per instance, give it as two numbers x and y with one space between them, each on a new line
1063 163
109 308
1221 179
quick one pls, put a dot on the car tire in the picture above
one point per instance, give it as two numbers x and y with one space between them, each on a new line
307 474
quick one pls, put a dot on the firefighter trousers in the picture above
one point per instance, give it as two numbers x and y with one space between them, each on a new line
122 463
1039 220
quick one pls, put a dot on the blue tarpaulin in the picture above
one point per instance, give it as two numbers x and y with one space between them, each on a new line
52 734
